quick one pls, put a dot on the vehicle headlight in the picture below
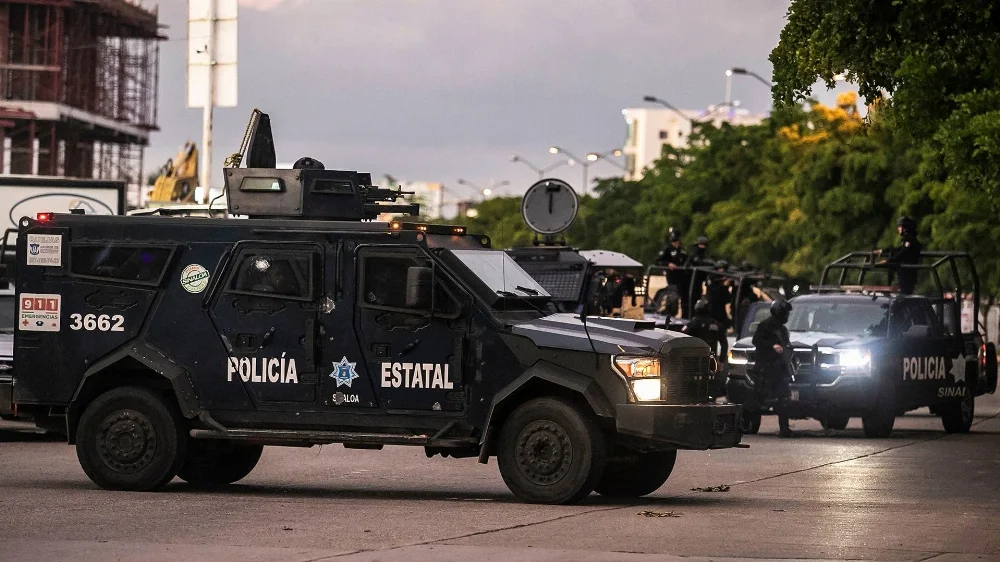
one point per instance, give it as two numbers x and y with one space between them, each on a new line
642 374
738 358
856 360
638 367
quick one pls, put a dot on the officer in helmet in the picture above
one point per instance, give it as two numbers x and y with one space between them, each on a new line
773 368
712 332
697 257
675 258
720 294
907 253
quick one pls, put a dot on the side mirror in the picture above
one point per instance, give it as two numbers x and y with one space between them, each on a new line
419 288
917 332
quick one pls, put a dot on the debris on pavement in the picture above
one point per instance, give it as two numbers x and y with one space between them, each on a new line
720 488
648 513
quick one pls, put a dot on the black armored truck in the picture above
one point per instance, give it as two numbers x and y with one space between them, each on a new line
180 346
864 349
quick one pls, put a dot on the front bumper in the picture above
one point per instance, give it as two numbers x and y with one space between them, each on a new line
699 427
851 396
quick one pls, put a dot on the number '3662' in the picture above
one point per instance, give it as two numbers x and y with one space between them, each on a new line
102 323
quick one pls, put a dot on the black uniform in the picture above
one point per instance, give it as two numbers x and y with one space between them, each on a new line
774 370
907 253
679 277
698 257
720 294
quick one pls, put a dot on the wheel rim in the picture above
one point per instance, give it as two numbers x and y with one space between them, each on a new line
544 452
126 441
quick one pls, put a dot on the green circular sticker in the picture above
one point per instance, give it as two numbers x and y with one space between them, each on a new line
194 278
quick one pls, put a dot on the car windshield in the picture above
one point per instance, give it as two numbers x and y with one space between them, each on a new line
867 318
500 273
7 314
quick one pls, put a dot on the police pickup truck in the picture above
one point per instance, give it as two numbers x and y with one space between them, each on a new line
866 350
180 346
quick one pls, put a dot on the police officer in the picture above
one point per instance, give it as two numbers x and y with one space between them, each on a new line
675 258
699 253
712 332
907 253
720 294
698 257
774 367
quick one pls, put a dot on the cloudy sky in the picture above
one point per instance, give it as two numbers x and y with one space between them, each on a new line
436 90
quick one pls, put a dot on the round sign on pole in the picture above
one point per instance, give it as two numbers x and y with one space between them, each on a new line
549 207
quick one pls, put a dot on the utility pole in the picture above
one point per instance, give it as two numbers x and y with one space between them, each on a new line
206 121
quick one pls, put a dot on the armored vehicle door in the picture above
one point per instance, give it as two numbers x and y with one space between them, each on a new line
928 363
266 312
411 323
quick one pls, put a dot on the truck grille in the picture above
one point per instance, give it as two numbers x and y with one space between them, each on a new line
686 377
810 372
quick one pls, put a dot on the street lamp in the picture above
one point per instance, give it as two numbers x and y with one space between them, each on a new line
573 160
742 72
485 192
594 157
654 99
540 171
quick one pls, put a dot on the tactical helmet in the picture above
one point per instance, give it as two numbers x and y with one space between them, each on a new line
722 264
675 235
701 307
702 241
780 309
907 223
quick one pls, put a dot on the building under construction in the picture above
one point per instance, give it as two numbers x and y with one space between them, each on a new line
78 87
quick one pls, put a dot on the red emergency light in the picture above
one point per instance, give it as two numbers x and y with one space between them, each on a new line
43 217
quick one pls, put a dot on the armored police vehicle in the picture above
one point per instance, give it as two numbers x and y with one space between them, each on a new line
180 346
577 280
863 349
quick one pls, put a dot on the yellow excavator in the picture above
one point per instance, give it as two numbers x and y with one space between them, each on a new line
178 177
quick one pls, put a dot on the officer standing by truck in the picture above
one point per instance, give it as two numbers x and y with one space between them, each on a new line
774 367
698 257
712 332
720 295
675 258
907 253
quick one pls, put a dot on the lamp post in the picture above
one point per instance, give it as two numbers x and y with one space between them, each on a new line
742 72
540 171
484 192
573 160
594 157
654 99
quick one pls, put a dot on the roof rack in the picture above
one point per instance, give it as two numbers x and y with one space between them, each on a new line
860 265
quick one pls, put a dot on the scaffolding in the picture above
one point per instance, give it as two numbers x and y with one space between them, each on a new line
78 87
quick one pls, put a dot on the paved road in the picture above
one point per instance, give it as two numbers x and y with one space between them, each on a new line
919 495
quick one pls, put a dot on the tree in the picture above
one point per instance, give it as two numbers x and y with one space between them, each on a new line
939 60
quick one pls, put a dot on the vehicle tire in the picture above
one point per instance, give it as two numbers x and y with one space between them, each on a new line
640 475
958 417
879 421
131 438
835 422
212 462
551 452
750 423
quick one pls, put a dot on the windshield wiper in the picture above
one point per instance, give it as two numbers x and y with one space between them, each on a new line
507 293
531 292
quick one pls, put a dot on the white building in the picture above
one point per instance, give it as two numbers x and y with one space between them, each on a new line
649 129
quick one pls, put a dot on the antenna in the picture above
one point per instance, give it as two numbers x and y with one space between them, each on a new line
549 207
